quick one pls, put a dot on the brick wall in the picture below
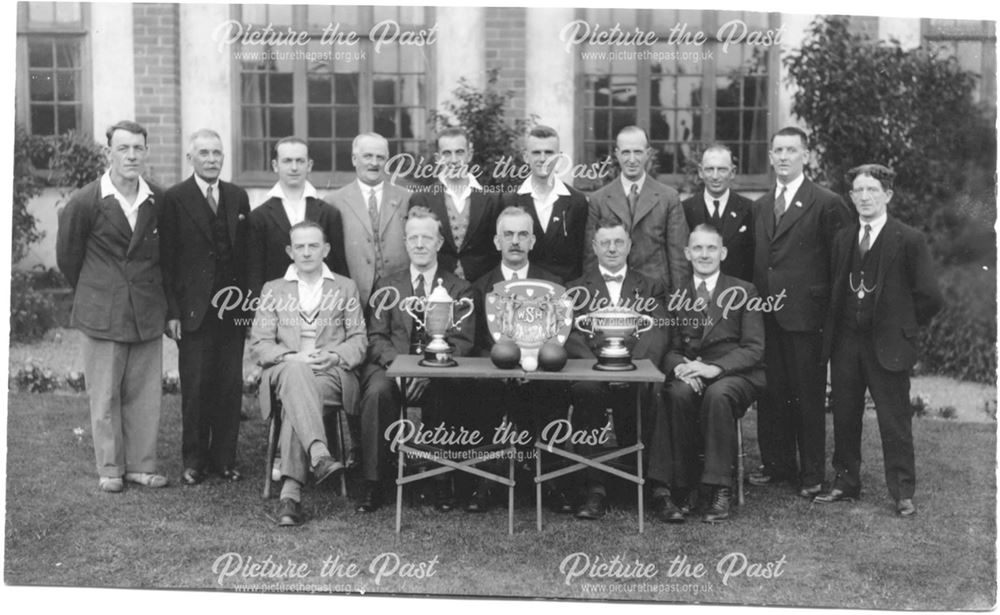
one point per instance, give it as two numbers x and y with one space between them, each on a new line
505 49
156 32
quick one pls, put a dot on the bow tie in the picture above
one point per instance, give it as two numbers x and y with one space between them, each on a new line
613 278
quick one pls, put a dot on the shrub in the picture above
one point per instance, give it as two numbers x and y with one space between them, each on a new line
918 406
482 114
35 379
31 312
26 186
961 340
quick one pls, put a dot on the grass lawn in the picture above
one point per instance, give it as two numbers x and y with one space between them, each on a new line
62 531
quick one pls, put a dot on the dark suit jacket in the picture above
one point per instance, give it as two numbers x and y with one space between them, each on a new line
737 231
389 326
730 339
592 293
906 292
560 250
484 286
659 232
477 253
187 249
114 270
795 256
269 228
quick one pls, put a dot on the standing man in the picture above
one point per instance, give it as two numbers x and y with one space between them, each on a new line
613 282
650 212
468 214
714 370
373 211
392 332
308 336
108 247
727 211
884 288
204 227
794 226
558 211
291 200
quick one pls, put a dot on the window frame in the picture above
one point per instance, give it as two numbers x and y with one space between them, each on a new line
743 182
53 32
324 180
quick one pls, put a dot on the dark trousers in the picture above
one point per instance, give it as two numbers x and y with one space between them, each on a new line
854 367
211 368
590 403
792 415
690 424
380 403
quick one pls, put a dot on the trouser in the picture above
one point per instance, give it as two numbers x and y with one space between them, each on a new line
124 382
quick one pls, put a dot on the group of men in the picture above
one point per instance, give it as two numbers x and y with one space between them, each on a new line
325 284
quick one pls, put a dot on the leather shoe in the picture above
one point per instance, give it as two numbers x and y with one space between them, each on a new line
836 495
289 513
111 484
559 503
443 500
718 510
905 508
595 507
325 468
765 478
811 492
666 511
369 497
192 476
147 479
231 474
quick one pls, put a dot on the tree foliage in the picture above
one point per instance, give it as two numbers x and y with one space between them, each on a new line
482 113
873 101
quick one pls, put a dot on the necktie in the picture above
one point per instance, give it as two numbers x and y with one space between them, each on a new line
703 293
866 241
513 276
211 200
716 215
419 289
373 214
633 198
416 345
613 278
779 205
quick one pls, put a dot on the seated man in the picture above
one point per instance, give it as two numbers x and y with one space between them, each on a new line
714 370
529 405
393 332
308 335
613 282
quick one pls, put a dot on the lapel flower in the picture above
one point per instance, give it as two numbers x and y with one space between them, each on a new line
798 203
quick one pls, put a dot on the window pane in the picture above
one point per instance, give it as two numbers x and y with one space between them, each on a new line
346 88
346 122
40 54
68 54
320 90
727 126
661 124
254 14
621 118
279 14
66 85
43 120
41 87
727 91
663 92
385 123
412 15
387 59
384 90
320 123
320 16
256 156
68 12
689 91
623 90
42 13
321 154
280 88
68 117
382 13
343 156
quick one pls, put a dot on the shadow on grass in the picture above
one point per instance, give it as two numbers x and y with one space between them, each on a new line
62 531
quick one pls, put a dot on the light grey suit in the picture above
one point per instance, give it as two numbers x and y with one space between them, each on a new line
359 240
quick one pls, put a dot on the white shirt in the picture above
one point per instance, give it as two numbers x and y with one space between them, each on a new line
429 280
310 294
614 288
791 188
295 210
723 200
543 205
203 186
710 282
131 210
461 199
627 185
366 193
876 225
508 273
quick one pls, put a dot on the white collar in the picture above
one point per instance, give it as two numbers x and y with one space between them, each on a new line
429 277
876 224
108 189
710 282
307 191
508 273
473 183
203 185
627 184
723 200
558 188
623 272
366 189
292 274
792 188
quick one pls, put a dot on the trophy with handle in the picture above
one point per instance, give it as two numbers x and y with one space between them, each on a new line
615 323
438 310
